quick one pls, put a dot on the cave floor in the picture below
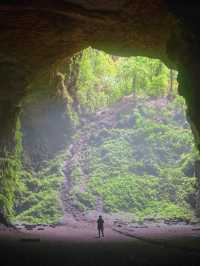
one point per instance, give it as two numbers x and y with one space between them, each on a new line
75 244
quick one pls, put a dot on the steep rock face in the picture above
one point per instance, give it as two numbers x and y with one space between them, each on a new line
36 36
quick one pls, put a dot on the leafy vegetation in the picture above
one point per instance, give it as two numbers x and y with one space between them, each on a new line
38 200
140 162
10 174
140 166
104 79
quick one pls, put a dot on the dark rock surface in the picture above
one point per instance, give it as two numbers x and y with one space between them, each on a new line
37 35
38 38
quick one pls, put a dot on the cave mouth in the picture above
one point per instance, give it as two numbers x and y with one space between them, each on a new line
131 154
33 191
110 138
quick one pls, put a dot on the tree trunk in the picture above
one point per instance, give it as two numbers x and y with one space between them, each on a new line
171 84
134 84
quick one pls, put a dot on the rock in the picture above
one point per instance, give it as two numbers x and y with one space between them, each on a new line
161 29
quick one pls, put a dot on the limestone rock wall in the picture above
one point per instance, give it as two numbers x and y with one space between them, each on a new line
36 36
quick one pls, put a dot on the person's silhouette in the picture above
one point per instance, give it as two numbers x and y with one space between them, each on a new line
100 226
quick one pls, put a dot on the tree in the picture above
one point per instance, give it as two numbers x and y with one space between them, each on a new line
172 76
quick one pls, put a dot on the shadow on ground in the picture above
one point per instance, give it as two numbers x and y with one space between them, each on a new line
34 250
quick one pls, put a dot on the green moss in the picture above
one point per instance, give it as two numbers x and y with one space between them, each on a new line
40 202
141 168
10 174
87 199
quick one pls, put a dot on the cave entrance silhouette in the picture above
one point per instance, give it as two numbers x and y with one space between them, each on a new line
124 243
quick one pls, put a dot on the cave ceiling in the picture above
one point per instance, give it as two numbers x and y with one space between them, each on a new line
38 36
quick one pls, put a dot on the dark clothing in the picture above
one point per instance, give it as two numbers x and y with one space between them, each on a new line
100 223
100 230
100 226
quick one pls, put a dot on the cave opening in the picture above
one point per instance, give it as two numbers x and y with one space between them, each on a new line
109 138
131 153
40 119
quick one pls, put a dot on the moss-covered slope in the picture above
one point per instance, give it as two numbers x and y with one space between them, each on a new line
140 161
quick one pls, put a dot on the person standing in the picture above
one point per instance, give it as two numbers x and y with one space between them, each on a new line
100 226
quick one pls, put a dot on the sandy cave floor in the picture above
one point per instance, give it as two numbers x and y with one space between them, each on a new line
76 243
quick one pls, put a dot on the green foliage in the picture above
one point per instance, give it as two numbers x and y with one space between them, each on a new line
141 165
10 174
39 201
103 80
